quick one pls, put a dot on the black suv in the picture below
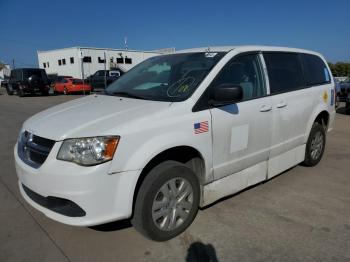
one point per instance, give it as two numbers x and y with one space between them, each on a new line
28 80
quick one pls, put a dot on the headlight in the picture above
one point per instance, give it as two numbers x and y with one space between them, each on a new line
88 151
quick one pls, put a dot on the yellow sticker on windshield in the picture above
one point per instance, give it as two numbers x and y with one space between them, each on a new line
325 96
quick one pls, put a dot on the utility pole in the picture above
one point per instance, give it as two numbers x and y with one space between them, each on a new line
105 57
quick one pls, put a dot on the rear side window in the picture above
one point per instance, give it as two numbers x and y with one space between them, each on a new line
316 72
285 72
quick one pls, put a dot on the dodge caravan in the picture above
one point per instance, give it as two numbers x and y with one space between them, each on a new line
176 133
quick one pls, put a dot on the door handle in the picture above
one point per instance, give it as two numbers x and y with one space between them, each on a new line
265 108
281 104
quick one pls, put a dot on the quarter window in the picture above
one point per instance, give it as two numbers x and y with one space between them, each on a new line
284 70
316 72
244 71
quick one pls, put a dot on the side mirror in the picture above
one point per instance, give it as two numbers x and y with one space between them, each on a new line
226 94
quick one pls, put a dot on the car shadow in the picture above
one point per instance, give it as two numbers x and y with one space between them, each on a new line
198 251
112 226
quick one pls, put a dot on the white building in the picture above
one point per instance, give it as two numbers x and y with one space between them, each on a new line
79 61
4 71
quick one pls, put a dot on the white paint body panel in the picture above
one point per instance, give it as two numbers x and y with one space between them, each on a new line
243 146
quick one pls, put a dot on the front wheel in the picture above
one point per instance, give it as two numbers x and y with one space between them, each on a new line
315 145
167 201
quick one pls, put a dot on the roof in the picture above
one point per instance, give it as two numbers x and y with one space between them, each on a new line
252 47
97 48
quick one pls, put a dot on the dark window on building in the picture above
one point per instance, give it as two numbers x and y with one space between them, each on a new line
48 65
120 60
284 70
87 59
63 61
59 62
244 71
128 60
44 64
101 61
72 60
316 71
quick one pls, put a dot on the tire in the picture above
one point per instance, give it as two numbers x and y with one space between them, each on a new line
184 206
9 90
20 92
347 107
315 145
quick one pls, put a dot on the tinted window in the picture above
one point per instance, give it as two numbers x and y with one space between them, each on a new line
244 71
284 70
316 71
34 72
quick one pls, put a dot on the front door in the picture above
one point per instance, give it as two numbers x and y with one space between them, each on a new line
242 131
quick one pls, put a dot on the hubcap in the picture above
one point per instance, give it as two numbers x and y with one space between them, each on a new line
316 145
172 204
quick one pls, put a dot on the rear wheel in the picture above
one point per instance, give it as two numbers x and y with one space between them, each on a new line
20 92
9 90
315 145
167 201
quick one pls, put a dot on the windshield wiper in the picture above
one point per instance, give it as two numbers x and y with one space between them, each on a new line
126 94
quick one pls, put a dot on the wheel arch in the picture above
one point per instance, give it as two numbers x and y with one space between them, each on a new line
187 155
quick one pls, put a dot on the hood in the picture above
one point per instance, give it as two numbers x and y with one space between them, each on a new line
94 115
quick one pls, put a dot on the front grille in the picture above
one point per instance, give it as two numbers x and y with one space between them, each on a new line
33 150
56 204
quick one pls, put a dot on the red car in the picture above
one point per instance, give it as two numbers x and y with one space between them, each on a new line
71 85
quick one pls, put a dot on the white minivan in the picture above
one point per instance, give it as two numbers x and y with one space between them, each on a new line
175 133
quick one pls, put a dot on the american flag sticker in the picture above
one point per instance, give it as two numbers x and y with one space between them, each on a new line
201 127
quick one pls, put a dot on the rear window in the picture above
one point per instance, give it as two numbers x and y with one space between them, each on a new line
316 72
77 81
285 72
33 72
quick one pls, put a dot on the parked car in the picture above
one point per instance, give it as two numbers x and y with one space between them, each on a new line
28 80
176 133
344 95
67 85
102 78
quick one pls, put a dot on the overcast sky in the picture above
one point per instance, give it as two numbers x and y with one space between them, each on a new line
28 26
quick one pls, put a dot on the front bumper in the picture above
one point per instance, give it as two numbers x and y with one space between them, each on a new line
104 197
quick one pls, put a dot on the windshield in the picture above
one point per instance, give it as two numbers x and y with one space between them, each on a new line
171 78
